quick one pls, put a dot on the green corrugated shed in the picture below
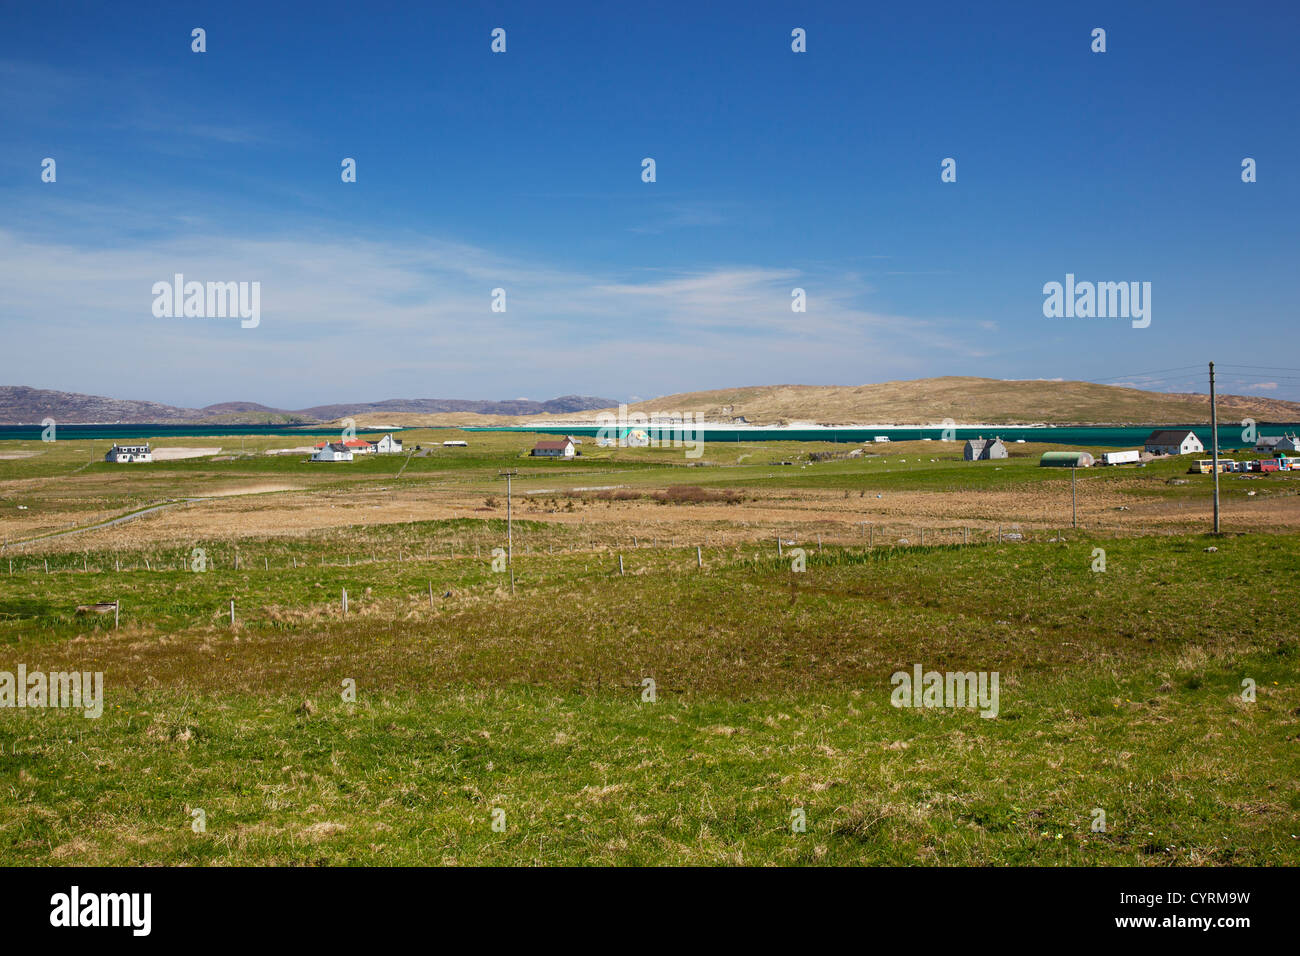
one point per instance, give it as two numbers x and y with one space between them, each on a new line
1066 459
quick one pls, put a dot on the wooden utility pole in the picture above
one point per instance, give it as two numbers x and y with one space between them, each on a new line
1214 441
510 534
1074 502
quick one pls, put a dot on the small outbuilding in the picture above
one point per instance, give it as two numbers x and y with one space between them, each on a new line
984 449
1066 459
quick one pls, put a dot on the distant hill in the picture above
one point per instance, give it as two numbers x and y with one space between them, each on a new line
964 400
21 405
564 405
920 401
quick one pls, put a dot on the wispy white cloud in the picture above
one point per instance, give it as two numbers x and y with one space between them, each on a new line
410 316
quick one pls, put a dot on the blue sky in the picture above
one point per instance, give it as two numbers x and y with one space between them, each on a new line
522 171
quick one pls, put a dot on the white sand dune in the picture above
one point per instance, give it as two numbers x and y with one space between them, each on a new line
174 454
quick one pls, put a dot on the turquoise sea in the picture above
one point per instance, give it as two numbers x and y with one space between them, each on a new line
129 432
1230 436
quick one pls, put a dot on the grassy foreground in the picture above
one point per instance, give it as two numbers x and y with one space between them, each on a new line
1121 691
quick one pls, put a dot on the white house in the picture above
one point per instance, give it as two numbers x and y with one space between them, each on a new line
1273 443
455 444
1173 442
123 453
388 445
554 449
358 446
984 449
333 451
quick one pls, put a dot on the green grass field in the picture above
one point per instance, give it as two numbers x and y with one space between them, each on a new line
773 695
397 732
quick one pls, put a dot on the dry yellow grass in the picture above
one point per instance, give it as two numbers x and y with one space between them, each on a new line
964 399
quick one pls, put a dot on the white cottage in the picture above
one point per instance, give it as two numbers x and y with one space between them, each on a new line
333 451
124 453
984 449
1179 441
554 449
388 445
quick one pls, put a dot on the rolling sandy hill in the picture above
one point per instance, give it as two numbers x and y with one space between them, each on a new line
963 399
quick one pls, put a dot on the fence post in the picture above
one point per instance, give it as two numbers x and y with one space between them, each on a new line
699 557
345 600
431 594
232 613
620 564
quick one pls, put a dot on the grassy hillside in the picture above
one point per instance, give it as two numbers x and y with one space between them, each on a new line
964 399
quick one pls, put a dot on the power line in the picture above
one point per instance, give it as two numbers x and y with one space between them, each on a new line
1264 368
1181 368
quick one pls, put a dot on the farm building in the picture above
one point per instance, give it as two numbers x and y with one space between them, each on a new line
1275 443
1180 441
125 453
333 451
388 445
455 444
358 446
983 449
1121 457
1066 459
554 449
